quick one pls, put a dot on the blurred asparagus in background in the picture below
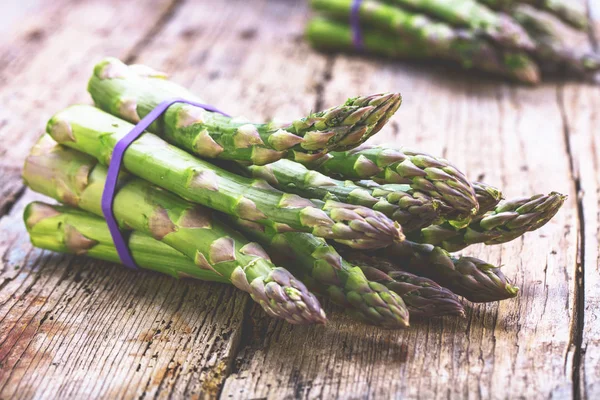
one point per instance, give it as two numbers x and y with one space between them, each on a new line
495 36
570 11
553 53
498 27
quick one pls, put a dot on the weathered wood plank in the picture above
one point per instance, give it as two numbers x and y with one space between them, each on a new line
582 123
80 328
581 105
48 70
490 130
14 11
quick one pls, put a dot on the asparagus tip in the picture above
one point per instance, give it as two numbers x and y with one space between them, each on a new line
282 295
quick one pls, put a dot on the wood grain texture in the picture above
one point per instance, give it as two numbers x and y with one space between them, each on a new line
580 106
49 59
74 327
583 123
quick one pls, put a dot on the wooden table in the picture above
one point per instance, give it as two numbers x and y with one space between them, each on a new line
72 327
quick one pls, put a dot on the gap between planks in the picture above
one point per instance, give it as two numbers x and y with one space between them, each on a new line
577 322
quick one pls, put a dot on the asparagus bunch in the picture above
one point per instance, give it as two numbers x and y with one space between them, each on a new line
488 35
184 213
465 49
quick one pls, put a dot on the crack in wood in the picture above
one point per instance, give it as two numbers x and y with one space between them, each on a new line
11 189
240 342
578 319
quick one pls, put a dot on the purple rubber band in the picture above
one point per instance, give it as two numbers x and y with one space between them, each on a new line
108 195
357 39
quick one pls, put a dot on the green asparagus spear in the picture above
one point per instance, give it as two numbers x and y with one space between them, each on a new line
470 14
488 197
121 91
474 279
411 209
435 177
552 52
95 132
507 222
322 268
69 230
422 296
569 11
77 179
466 49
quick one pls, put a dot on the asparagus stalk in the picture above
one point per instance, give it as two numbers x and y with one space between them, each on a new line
411 209
322 268
95 132
78 180
553 54
507 222
374 122
570 12
459 46
68 230
422 296
488 197
469 14
435 177
121 91
474 279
